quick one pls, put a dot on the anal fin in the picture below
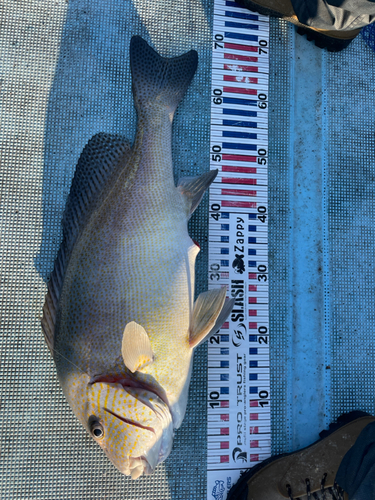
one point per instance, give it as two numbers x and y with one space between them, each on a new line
209 313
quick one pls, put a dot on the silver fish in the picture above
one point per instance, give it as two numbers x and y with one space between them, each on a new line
120 318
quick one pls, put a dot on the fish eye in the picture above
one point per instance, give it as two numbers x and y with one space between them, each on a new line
97 430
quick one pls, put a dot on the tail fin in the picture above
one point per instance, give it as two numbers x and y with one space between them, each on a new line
159 81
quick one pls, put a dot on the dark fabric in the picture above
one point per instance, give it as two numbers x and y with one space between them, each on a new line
356 474
341 15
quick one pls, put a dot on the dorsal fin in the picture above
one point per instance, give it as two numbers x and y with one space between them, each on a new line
100 158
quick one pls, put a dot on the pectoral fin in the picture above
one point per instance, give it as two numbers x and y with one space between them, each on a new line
136 347
209 313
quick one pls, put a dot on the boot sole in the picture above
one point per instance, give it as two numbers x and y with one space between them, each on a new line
321 40
240 490
324 41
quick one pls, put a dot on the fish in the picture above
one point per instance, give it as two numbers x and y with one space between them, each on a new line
120 318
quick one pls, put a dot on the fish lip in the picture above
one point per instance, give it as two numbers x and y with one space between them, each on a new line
147 469
130 421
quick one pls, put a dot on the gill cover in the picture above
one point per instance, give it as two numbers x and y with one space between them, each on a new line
137 426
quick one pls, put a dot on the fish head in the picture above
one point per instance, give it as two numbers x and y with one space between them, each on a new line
132 425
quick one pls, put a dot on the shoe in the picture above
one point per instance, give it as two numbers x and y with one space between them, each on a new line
333 41
307 473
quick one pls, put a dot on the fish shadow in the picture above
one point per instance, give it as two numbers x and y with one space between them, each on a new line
90 94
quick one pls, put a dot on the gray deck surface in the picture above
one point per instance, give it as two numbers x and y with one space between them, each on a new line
64 77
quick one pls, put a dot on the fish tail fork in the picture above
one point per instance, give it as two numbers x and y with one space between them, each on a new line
159 82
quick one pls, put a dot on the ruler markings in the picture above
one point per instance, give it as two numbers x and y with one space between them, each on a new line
239 434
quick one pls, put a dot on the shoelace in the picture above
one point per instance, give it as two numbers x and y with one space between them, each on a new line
335 491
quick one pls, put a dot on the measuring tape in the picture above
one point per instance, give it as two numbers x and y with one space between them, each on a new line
239 434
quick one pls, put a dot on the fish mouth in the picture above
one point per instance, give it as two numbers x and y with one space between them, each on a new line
129 421
139 466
